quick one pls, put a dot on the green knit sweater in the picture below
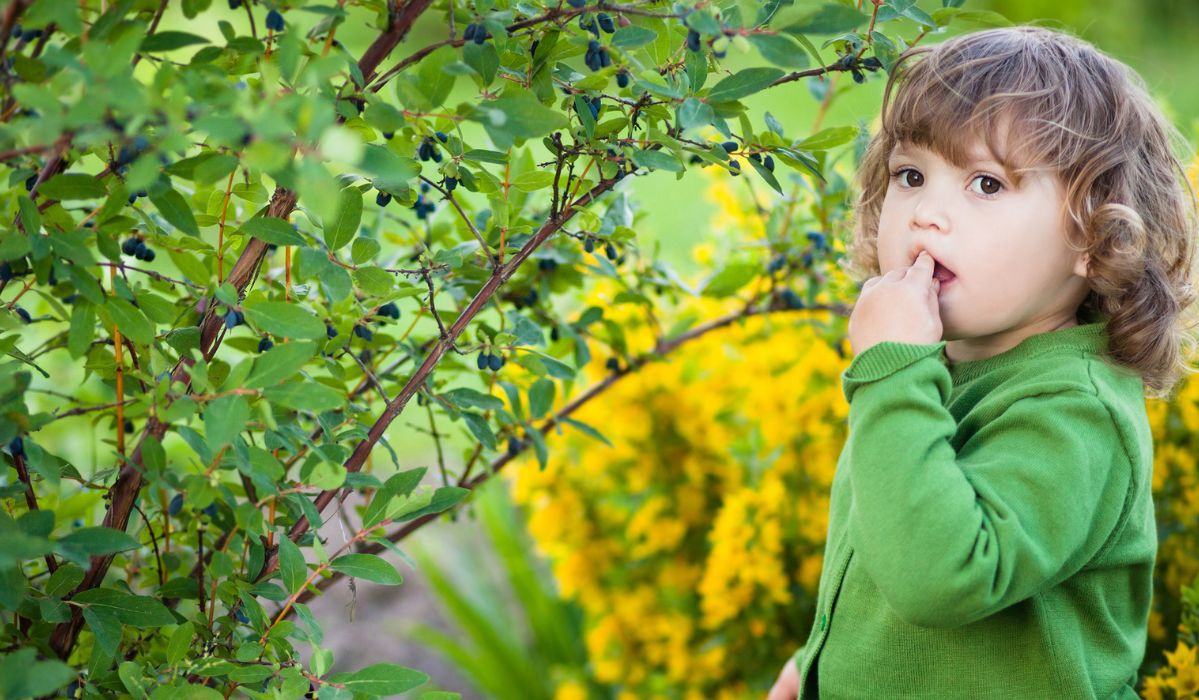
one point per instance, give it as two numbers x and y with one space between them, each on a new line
991 527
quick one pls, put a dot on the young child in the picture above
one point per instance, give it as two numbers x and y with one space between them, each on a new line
991 524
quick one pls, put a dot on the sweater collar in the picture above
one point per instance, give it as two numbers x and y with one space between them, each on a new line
1088 337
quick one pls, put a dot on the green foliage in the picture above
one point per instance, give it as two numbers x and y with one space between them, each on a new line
177 559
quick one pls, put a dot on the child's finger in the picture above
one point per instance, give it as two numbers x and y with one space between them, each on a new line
923 267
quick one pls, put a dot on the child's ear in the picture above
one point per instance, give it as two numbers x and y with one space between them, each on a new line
1080 265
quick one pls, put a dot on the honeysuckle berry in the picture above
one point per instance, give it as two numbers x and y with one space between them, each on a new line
5 272
265 344
692 40
769 163
176 504
241 616
576 3
729 146
613 364
234 4
232 319
389 310
482 361
481 34
30 181
449 183
605 22
441 136
610 251
776 264
622 79
24 315
363 332
330 331
388 134
734 168
127 425
129 247
16 447
589 245
858 76
755 157
513 447
791 299
554 334
210 510
274 21
468 34
382 199
495 362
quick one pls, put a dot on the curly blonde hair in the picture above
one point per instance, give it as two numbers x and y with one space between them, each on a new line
1089 119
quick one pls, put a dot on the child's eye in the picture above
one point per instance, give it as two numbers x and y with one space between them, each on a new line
898 175
990 185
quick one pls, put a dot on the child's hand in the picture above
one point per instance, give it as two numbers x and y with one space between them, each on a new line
787 685
900 306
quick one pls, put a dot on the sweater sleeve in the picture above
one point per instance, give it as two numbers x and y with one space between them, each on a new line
949 539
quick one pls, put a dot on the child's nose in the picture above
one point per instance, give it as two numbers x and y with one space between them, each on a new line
930 211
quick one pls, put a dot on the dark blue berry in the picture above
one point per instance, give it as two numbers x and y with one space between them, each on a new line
482 362
613 364
265 344
234 4
241 616
330 332
622 79
495 362
30 181
24 315
388 134
441 136
231 319
734 167
589 245
554 334
776 264
129 247
610 251
729 146
127 425
274 21
363 332
692 40
769 163
176 505
576 3
388 310
16 447
5 272
791 299
605 22
468 34
513 447
210 510
382 199
450 183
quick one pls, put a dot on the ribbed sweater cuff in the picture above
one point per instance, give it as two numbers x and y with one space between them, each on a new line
885 358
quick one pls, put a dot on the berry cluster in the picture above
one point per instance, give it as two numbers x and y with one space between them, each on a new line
488 361
389 310
428 149
597 56
476 32
137 248
134 197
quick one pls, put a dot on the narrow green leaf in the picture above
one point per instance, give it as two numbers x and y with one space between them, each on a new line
279 363
86 542
272 230
380 679
291 565
367 567
175 209
133 610
129 319
68 186
541 397
284 319
828 138
743 83
341 227
170 40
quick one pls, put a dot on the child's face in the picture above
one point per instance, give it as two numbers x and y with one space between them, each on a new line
1013 275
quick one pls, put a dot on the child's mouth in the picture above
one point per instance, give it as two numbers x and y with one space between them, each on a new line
943 275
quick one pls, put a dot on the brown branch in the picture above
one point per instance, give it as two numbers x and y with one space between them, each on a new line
31 499
662 347
124 491
481 299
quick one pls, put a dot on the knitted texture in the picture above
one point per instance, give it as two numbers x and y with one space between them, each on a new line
991 526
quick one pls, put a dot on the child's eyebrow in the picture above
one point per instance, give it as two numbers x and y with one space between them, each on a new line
976 157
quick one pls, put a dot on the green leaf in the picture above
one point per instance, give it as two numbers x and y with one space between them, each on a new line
82 330
730 279
479 428
341 227
279 363
657 160
633 37
693 114
828 138
464 397
23 676
86 542
743 83
284 319
517 115
541 397
780 50
133 610
31 219
105 627
69 186
375 281
397 485
587 430
129 319
272 230
169 40
180 642
224 418
380 679
443 499
829 19
390 172
532 181
291 565
175 209
367 567
305 396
